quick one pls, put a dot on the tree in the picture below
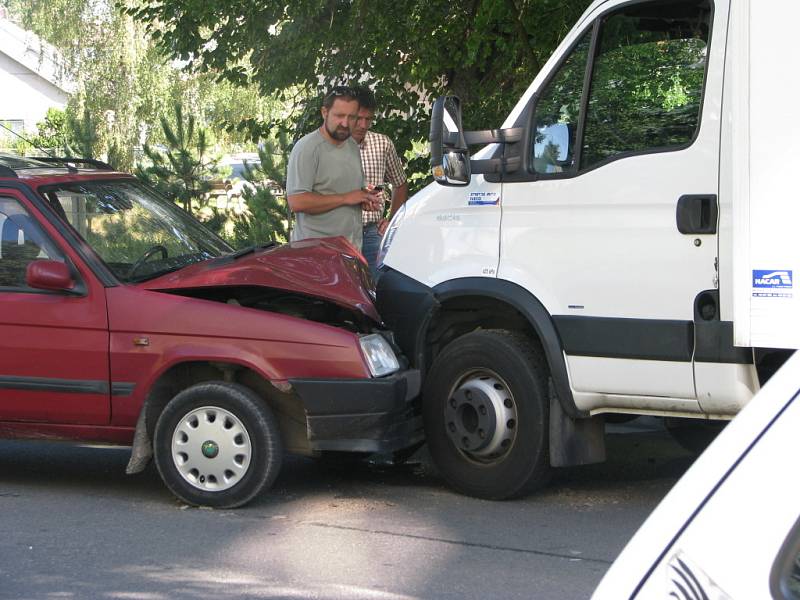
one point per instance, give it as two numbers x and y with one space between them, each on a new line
53 132
124 83
485 51
183 170
267 216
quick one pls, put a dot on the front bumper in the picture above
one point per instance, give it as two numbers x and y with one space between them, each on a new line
362 415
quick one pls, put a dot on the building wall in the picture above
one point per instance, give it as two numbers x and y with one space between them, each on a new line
24 95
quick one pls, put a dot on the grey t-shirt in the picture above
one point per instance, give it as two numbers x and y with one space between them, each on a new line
318 166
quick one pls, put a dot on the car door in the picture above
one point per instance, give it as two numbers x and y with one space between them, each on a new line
53 345
614 224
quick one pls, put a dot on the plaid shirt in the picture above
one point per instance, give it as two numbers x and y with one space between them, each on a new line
381 165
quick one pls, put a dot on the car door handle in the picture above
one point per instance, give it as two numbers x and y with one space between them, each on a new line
697 213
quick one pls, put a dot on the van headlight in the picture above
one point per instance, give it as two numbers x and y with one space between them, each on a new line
379 355
388 237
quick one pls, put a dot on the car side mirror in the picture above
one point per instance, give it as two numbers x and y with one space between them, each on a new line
50 275
449 153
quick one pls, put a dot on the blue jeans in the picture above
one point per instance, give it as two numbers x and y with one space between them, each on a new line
369 248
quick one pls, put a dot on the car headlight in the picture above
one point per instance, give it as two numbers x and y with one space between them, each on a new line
379 355
388 237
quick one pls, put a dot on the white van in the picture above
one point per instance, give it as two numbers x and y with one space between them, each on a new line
625 244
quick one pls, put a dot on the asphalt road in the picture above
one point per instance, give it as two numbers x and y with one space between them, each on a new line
72 525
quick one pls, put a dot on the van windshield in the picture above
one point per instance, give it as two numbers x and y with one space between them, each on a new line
137 233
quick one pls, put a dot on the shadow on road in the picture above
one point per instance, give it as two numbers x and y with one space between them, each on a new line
638 457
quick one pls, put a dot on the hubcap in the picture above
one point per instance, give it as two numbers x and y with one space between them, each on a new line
481 416
211 449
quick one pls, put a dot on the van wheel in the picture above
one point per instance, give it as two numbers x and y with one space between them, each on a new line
486 411
217 444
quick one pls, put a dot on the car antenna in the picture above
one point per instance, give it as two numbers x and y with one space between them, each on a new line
40 149
26 140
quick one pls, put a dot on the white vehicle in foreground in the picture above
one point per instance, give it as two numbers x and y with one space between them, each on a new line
730 528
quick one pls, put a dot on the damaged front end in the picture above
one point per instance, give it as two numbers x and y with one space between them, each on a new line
321 280
324 281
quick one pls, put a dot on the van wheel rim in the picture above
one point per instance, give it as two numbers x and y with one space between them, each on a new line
481 416
211 449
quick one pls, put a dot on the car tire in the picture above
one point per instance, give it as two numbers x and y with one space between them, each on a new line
217 444
486 415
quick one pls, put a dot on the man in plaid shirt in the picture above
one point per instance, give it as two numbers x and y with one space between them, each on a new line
381 165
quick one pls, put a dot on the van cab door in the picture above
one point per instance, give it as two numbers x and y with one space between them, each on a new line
612 223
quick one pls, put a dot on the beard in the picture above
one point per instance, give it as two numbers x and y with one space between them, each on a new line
339 133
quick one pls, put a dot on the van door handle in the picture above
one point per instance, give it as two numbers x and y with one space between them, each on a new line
697 213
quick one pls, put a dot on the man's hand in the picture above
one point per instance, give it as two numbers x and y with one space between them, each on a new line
382 225
374 201
364 197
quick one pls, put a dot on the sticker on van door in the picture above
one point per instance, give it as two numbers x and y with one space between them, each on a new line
772 284
483 198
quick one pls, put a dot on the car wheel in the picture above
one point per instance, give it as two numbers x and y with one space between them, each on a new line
486 411
217 444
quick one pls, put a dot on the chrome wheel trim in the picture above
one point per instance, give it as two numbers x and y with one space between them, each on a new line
481 416
211 449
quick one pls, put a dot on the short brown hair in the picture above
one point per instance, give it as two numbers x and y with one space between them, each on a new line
366 99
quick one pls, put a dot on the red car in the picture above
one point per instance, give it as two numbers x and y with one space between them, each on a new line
124 321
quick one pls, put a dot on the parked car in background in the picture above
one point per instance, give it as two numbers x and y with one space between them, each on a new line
124 321
730 528
229 190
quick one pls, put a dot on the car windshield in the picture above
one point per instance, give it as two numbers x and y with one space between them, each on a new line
137 233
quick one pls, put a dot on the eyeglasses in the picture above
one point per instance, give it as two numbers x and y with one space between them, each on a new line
338 91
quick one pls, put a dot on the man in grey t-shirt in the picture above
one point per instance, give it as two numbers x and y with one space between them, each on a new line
324 180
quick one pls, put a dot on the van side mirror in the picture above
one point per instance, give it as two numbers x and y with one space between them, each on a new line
551 151
449 153
52 275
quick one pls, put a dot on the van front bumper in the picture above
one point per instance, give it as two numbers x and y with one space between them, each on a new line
362 415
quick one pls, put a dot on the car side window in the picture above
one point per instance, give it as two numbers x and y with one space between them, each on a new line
647 79
21 242
555 123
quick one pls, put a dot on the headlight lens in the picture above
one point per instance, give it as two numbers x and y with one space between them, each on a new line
379 354
388 237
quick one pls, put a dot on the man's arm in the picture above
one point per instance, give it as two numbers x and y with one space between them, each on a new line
312 203
399 196
394 172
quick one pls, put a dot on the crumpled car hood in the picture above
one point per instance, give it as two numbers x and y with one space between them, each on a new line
327 268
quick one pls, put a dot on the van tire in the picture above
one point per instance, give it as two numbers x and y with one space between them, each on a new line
486 415
217 421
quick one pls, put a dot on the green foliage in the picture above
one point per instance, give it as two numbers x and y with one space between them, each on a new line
53 132
485 51
60 133
183 170
267 216
124 82
83 136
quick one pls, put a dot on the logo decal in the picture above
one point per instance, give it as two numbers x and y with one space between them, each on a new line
772 284
483 198
210 449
